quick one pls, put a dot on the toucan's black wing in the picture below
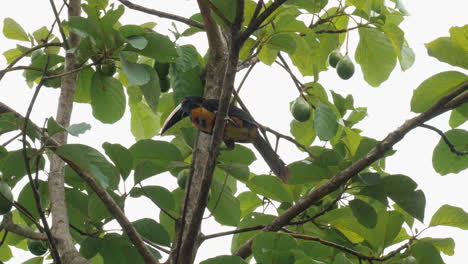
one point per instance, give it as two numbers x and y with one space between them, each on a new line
212 106
176 115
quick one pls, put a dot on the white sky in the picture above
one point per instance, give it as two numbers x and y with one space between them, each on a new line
388 107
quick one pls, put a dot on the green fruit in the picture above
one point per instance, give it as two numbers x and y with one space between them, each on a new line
108 69
5 205
345 68
300 110
162 69
182 178
37 247
334 57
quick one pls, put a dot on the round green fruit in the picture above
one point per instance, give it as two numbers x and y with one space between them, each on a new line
5 204
37 247
182 178
300 110
345 68
334 57
108 69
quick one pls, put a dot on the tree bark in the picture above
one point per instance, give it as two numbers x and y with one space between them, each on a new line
58 206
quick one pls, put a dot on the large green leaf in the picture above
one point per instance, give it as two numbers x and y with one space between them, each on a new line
159 47
303 132
157 194
435 88
137 74
121 157
12 30
13 166
426 253
251 220
325 122
185 83
237 170
152 157
270 187
312 6
97 211
153 231
35 260
240 154
224 260
152 89
341 258
273 248
447 50
223 205
249 201
107 98
376 55
144 123
448 215
364 213
444 160
445 245
27 200
91 161
305 171
83 85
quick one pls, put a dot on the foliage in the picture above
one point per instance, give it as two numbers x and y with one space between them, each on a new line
133 68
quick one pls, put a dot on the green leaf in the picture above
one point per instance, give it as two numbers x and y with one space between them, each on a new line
11 54
83 85
444 160
96 208
144 123
312 6
13 30
223 205
77 129
41 35
53 127
86 28
13 166
240 154
305 171
27 200
364 213
251 220
153 231
131 30
107 99
40 61
137 74
185 83
188 58
152 157
435 88
270 187
35 260
426 253
227 7
303 132
283 41
402 190
237 170
325 122
152 89
445 50
249 201
341 258
157 194
159 47
120 156
456 118
376 56
352 140
402 50
224 260
273 248
445 245
92 162
448 215
90 247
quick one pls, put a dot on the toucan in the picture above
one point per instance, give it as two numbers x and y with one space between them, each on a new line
240 127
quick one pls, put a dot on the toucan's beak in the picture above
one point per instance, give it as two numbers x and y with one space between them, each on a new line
176 115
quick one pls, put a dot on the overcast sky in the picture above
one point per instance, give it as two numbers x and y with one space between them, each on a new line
388 106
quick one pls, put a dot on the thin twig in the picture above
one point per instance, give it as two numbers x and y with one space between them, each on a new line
288 138
57 19
12 139
150 11
34 187
232 232
446 140
344 30
18 68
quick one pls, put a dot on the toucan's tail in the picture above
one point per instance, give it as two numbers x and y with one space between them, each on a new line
272 159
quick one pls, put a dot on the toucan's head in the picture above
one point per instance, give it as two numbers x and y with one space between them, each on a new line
182 110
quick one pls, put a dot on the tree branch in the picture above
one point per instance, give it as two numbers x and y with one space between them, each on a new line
232 232
446 140
448 102
161 14
107 200
7 223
